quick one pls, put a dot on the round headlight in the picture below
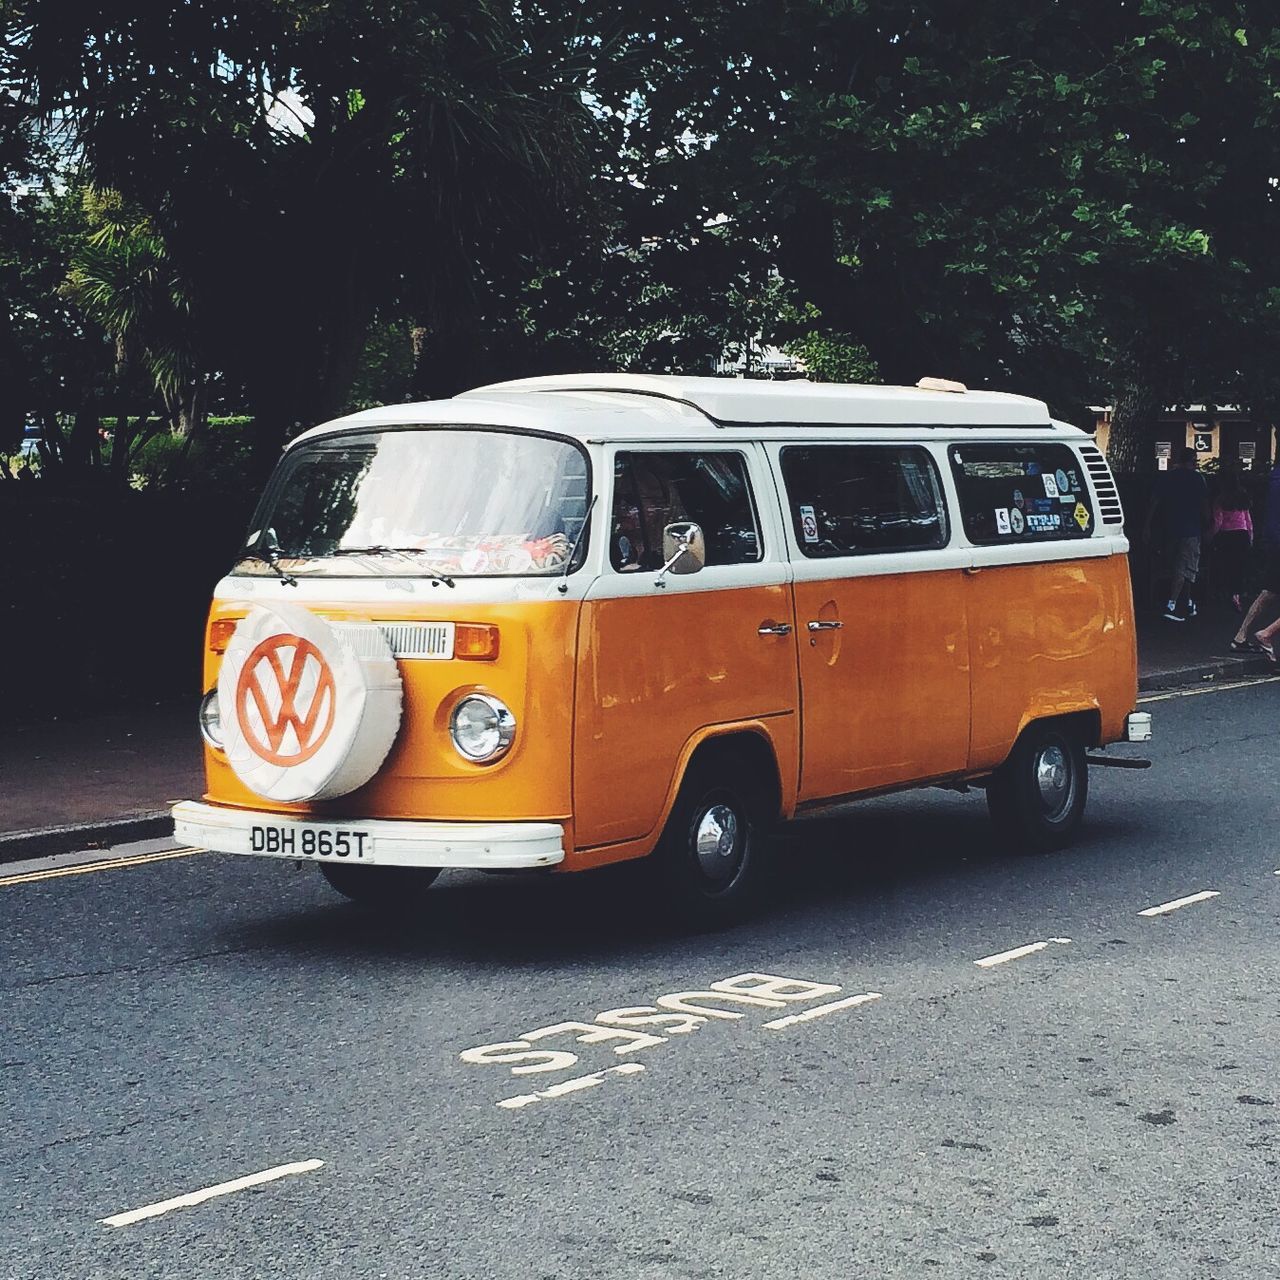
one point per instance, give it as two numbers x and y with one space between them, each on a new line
211 719
482 728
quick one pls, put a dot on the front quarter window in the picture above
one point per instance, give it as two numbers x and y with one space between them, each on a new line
444 501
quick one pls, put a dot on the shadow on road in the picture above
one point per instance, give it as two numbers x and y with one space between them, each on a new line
898 859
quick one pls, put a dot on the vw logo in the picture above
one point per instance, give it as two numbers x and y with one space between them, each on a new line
285 700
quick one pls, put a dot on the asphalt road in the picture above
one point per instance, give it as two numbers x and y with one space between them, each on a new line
1103 1106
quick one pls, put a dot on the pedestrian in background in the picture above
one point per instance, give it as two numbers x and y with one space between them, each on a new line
1232 532
1245 640
1181 500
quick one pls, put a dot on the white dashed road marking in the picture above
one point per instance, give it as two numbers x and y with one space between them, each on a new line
821 1011
1003 957
1178 903
210 1193
576 1085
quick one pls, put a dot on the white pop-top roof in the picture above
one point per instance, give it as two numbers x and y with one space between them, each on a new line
746 401
625 405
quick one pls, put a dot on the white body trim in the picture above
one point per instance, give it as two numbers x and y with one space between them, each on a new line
480 845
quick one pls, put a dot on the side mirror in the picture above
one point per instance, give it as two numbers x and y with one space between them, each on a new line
684 549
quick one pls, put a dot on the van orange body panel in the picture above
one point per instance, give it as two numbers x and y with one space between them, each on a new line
780 733
654 673
1048 639
886 697
424 777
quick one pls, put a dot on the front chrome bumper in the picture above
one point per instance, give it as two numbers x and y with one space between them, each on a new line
380 842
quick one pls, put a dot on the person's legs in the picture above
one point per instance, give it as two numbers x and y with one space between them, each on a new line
1186 563
1267 597
1261 601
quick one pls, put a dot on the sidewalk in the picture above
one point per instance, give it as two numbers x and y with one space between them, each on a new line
111 778
103 779
1174 654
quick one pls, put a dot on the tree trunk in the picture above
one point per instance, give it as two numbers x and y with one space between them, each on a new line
1137 406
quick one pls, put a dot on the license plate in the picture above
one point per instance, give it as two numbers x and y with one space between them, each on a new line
311 841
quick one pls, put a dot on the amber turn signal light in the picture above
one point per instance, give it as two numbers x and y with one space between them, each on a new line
220 634
475 642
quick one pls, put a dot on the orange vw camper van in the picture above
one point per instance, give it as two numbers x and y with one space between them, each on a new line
567 621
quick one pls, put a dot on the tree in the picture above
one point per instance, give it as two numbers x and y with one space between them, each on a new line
307 163
1072 199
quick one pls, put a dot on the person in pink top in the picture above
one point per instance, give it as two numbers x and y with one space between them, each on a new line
1232 533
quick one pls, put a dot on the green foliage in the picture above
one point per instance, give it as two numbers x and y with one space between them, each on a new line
334 203
833 357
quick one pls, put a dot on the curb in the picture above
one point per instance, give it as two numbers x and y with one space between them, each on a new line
1181 677
47 841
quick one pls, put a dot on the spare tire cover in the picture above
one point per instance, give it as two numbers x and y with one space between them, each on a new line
308 712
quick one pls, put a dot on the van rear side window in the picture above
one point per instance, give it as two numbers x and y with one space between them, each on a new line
850 500
1021 492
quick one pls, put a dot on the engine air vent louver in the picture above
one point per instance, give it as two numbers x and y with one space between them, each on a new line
1104 485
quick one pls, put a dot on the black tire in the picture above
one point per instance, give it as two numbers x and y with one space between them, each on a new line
398 889
709 859
1037 797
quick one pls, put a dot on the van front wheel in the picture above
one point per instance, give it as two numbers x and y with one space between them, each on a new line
1037 797
387 888
708 859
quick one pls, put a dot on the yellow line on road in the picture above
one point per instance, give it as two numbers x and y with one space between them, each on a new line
1212 688
111 864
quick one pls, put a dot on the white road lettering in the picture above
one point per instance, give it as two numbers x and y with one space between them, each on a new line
678 1013
821 1011
647 1015
1178 903
565 1087
767 987
681 1002
1016 953
512 1051
593 1034
210 1193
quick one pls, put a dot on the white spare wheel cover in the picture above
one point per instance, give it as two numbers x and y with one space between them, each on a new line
306 714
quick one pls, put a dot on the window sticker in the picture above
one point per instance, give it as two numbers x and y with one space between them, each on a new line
1081 515
1037 485
809 524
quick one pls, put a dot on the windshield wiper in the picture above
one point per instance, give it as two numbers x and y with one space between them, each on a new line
434 574
271 558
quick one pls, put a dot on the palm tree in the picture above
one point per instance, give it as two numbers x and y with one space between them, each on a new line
123 279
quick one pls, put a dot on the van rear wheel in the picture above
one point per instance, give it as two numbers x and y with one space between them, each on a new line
709 857
387 888
1037 797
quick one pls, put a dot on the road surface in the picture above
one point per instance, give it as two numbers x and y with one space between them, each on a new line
978 1065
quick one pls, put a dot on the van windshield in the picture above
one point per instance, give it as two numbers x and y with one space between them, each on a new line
455 501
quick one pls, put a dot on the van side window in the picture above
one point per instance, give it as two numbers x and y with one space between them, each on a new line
653 490
1021 492
849 500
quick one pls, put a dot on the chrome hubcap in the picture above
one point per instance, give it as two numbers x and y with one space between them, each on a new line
1055 781
715 841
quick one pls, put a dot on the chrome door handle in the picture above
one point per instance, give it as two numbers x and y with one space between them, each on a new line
774 629
825 625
